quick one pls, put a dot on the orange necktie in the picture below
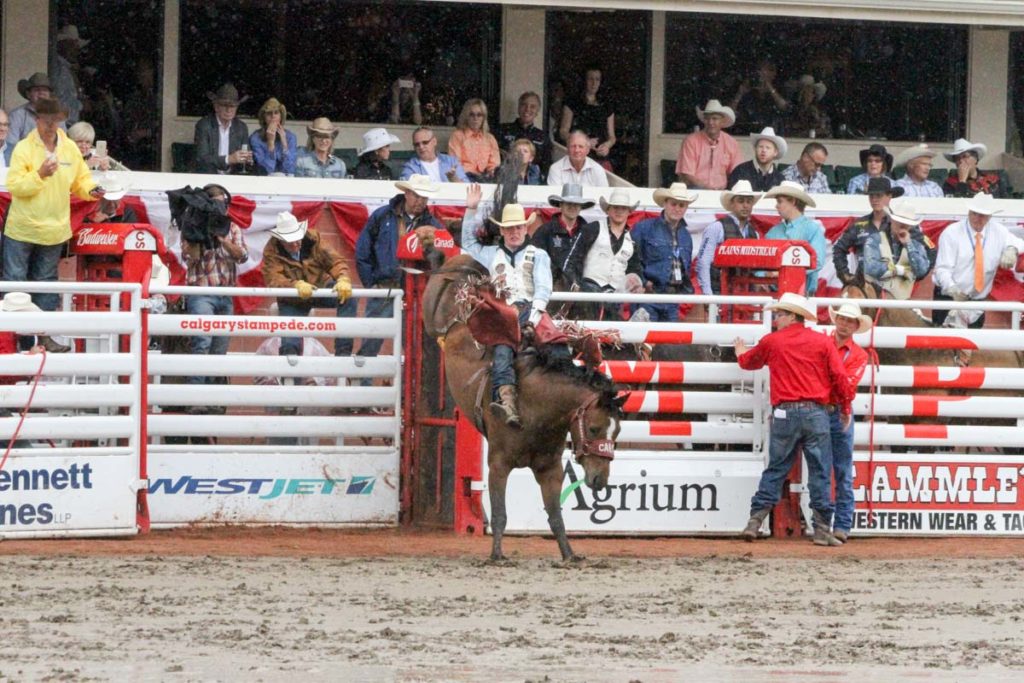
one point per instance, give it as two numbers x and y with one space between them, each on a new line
979 264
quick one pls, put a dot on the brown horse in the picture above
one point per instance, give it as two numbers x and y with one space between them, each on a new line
553 401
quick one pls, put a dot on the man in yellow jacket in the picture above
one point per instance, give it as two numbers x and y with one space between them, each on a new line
46 167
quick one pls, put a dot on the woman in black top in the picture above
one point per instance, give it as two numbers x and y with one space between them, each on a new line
373 157
592 116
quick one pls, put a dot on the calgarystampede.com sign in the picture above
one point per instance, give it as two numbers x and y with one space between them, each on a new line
230 325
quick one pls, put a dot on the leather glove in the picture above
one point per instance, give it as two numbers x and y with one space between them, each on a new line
633 284
1008 259
343 288
304 289
954 292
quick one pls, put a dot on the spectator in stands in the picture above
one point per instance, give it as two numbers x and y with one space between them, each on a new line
23 118
806 172
213 264
221 136
576 167
472 143
893 258
296 256
970 252
64 70
790 201
555 237
376 259
762 172
524 127
966 180
316 160
111 209
373 157
806 117
758 104
6 146
273 147
707 157
666 250
735 225
45 168
876 162
405 100
84 135
440 168
918 160
529 172
604 259
594 117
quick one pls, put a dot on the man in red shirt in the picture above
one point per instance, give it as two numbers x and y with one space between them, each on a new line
806 376
848 321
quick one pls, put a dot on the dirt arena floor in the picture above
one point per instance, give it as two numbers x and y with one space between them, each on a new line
263 604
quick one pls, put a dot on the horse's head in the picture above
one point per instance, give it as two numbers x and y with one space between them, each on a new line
861 289
595 427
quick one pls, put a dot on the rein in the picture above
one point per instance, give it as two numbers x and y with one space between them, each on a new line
582 447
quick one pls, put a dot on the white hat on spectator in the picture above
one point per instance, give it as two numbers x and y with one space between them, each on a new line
18 302
903 211
289 228
375 138
915 152
982 203
618 197
678 191
115 185
716 107
963 145
788 188
794 303
742 188
419 184
70 32
777 140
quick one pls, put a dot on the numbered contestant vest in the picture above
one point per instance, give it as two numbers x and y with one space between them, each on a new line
604 267
518 279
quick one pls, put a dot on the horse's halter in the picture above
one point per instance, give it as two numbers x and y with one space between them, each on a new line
582 446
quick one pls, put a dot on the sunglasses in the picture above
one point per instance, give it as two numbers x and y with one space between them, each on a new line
422 143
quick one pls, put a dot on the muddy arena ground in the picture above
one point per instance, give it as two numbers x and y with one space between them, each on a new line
396 605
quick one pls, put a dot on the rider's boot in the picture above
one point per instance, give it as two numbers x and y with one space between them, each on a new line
505 407
753 528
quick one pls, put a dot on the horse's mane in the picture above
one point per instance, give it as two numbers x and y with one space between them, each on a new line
554 364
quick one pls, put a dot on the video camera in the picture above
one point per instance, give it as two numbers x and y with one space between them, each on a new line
200 217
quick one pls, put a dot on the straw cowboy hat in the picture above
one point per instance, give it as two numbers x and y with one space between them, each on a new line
788 188
421 185
915 152
375 138
323 126
511 216
618 197
70 32
962 145
716 107
159 275
49 106
226 94
289 228
903 211
36 80
852 311
677 191
270 106
572 193
807 80
777 140
18 302
982 203
742 188
794 303
876 150
883 185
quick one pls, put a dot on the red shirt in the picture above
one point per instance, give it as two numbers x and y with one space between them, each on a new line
855 360
8 344
805 366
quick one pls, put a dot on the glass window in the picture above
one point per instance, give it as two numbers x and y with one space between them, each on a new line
842 79
1015 127
342 60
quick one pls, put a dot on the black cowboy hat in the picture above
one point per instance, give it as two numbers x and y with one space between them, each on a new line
227 94
877 151
883 185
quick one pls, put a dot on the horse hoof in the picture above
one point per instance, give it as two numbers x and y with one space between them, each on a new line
499 561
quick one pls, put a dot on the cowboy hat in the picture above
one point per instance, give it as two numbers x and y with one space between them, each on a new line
289 228
716 107
794 303
36 80
777 140
883 185
876 150
226 94
49 106
323 126
159 275
375 138
903 211
677 191
807 80
572 193
911 153
418 184
618 197
852 311
270 106
70 32
18 302
982 203
742 188
788 188
511 215
115 186
961 145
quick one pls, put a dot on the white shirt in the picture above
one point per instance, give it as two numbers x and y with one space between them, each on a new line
562 172
223 146
954 263
3 150
433 169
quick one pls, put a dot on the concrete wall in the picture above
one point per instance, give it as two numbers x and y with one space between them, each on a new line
25 40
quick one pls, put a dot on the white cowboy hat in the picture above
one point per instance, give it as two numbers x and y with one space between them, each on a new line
289 228
419 184
982 203
808 80
852 311
777 140
618 197
742 188
716 107
70 32
962 145
16 302
908 155
794 303
115 185
375 138
158 273
789 188
511 215
677 191
903 211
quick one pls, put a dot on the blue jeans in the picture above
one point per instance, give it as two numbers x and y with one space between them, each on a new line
842 471
662 313
375 308
802 426
24 261
208 304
